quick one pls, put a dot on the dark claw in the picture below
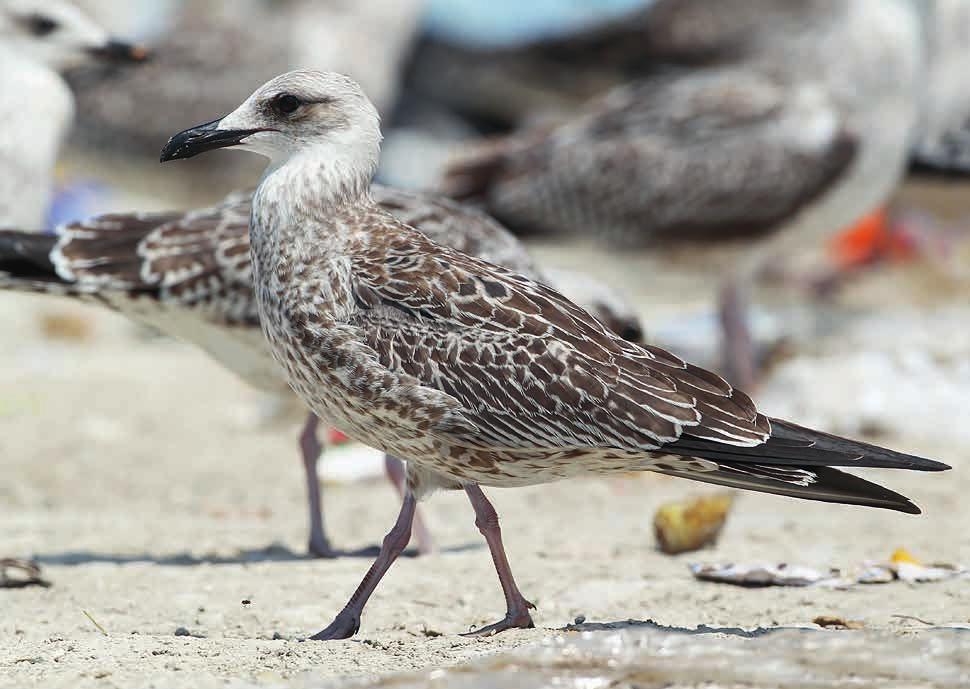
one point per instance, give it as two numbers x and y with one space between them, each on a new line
344 626
522 620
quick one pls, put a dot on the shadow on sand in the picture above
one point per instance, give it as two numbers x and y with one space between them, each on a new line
272 553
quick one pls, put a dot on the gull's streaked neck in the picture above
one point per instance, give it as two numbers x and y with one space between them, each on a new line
320 178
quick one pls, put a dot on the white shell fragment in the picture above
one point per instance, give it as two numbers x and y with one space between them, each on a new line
762 574
765 574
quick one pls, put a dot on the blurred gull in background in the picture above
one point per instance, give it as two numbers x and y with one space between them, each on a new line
780 122
209 55
38 40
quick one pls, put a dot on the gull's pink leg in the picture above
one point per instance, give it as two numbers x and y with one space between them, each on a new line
739 354
311 449
517 607
394 468
347 622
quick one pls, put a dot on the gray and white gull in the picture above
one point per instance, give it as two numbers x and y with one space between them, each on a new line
38 40
189 275
473 374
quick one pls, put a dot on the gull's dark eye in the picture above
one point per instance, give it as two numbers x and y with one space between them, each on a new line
39 25
286 104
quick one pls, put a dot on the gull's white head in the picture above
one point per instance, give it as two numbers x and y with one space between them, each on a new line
305 114
59 35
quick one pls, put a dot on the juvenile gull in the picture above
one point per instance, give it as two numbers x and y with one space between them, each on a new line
38 40
189 275
473 374
770 126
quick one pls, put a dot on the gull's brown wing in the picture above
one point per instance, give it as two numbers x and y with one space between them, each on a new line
529 368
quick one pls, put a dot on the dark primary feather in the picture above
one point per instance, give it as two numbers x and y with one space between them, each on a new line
790 444
26 255
809 483
798 461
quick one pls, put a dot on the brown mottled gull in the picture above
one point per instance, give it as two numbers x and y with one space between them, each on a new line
189 275
474 374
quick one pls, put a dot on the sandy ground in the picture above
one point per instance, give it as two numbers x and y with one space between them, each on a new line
158 497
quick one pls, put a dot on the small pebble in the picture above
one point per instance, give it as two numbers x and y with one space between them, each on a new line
580 619
182 631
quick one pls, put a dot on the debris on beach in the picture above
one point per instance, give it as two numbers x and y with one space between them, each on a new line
689 525
16 574
901 566
833 622
66 326
767 575
349 461
904 567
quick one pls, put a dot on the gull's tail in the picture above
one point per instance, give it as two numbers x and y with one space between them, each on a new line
798 462
25 262
26 251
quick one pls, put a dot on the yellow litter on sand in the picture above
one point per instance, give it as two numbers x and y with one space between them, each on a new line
902 555
689 525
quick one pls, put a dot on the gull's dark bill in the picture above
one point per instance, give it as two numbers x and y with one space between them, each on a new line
202 138
120 51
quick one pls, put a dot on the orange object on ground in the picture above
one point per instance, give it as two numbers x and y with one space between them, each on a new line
871 239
